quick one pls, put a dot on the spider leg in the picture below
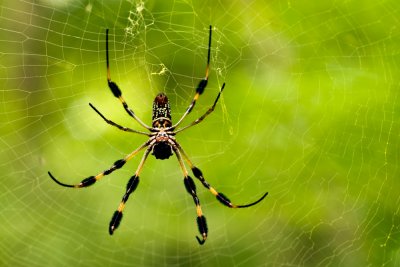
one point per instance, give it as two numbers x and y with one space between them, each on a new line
220 196
201 86
117 92
130 187
191 189
208 112
117 165
126 129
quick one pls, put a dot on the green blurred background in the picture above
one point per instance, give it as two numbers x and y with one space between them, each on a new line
310 114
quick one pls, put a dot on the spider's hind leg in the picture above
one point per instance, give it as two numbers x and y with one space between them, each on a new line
117 92
202 84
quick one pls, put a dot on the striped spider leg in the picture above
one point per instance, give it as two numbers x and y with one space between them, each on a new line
161 144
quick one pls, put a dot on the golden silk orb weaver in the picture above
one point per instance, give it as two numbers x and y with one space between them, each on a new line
162 144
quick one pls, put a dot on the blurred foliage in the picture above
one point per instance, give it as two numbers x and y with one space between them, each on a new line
309 113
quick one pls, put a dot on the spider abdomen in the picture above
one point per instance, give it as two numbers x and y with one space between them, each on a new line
161 108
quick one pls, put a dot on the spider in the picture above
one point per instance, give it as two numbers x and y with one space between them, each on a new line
161 144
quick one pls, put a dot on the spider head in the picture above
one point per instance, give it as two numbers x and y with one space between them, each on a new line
162 149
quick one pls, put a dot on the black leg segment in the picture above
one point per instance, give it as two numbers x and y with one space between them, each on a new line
117 216
203 229
220 196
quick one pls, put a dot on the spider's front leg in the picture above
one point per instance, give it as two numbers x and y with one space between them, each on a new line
201 220
130 188
191 189
92 179
220 196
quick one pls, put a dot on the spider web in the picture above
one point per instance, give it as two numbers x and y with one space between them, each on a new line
310 113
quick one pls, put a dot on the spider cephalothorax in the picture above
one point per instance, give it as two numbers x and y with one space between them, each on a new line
161 142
